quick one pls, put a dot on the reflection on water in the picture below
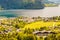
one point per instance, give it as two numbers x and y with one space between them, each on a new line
46 12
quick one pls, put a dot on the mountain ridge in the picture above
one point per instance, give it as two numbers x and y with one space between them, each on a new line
21 4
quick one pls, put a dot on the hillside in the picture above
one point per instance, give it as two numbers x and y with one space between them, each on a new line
21 4
40 24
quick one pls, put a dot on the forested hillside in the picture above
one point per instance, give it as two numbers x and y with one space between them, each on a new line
21 4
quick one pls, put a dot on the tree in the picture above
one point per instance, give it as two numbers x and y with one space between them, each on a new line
51 37
29 37
1 7
58 36
20 24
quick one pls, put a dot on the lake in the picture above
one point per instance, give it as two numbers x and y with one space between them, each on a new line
46 12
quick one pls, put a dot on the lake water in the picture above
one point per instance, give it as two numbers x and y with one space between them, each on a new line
46 12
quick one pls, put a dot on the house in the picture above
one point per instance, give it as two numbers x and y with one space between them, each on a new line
43 33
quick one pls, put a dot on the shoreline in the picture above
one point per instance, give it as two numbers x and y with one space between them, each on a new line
46 12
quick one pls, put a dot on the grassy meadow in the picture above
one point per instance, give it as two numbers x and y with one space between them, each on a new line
40 24
25 28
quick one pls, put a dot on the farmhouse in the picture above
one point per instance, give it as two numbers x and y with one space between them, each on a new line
43 33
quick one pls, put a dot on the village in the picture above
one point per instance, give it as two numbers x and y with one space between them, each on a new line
9 24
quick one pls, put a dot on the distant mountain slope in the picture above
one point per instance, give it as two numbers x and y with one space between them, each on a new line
21 4
52 1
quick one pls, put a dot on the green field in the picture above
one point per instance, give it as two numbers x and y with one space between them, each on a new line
39 24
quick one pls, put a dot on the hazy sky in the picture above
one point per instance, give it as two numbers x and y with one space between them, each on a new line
54 0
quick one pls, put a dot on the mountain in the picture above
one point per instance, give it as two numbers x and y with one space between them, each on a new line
52 1
21 4
48 1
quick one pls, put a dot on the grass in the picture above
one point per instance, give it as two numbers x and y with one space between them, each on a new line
39 24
